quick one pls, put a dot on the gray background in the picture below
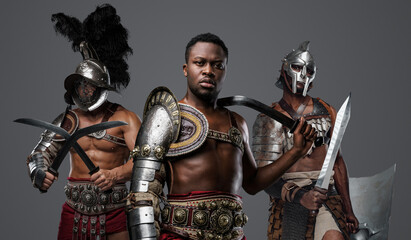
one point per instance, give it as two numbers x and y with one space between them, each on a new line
361 47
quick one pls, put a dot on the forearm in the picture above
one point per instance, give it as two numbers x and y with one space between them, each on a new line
267 175
42 157
123 173
342 184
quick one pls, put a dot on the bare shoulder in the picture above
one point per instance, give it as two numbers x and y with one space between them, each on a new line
239 118
123 114
241 123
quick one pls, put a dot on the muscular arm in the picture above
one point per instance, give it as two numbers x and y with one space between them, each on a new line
341 184
130 134
256 179
105 179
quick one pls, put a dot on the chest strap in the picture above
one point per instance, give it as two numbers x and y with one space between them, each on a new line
111 109
233 136
295 115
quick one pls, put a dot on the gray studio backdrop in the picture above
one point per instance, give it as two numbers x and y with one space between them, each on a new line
360 47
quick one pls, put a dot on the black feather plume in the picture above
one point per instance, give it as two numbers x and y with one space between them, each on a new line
103 30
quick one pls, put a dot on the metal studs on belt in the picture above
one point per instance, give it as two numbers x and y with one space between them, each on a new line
238 220
116 197
202 206
103 199
200 234
67 191
200 218
179 216
75 195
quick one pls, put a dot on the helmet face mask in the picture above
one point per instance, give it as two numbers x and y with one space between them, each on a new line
88 87
87 96
299 65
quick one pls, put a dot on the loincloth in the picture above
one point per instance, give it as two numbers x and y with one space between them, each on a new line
292 219
89 213
204 215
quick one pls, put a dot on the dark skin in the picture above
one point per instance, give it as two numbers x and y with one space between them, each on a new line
220 166
313 199
111 158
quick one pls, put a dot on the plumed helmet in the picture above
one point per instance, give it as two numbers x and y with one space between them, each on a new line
102 40
92 71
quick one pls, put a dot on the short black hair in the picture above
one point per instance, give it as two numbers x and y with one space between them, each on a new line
205 37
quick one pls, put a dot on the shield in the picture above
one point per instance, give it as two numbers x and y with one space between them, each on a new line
371 202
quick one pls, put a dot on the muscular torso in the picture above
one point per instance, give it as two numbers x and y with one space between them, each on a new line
105 154
215 166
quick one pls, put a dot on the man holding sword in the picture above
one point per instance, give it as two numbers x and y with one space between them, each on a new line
298 209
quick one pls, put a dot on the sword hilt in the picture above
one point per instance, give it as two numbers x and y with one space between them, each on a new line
294 126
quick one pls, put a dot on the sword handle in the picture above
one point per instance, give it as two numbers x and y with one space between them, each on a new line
53 171
96 169
92 171
294 126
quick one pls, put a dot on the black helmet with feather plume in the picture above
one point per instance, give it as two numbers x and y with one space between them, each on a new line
102 40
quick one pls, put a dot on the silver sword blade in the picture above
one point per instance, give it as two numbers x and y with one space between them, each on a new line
341 122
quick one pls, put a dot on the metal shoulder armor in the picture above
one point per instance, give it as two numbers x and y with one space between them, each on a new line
47 148
268 140
160 127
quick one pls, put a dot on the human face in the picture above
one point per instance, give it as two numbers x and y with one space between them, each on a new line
205 70
86 92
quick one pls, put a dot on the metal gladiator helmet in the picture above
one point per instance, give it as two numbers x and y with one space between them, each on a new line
90 73
102 41
300 66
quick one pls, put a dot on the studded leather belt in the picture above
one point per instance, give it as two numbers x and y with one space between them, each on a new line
208 216
88 199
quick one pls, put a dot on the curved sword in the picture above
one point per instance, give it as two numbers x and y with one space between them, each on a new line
71 140
341 122
261 107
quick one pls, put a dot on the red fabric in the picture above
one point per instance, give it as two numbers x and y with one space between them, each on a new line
115 222
171 236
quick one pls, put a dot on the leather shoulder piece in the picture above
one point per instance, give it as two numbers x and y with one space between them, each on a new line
193 131
333 114
69 123
320 108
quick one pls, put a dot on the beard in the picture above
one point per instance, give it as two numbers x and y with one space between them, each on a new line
206 95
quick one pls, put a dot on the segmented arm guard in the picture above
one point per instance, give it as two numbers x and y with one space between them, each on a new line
159 129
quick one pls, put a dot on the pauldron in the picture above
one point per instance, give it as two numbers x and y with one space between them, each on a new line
195 130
